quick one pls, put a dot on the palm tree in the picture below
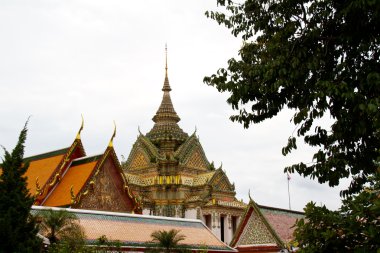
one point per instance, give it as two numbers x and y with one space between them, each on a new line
60 225
167 240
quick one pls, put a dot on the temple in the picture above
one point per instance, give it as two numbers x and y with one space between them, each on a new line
169 170
167 174
69 178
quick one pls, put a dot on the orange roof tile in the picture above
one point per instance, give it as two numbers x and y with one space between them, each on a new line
76 176
42 169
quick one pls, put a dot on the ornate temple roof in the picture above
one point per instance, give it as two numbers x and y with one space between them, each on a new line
41 167
166 119
73 181
133 232
255 232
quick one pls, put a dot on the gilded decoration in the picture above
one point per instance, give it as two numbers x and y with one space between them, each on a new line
220 182
196 161
202 179
104 194
139 161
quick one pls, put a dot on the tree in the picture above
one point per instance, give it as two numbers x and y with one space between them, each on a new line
59 225
353 228
168 240
18 231
318 58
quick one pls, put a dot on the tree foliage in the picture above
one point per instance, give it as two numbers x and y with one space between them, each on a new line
318 58
18 231
353 228
59 225
63 230
167 240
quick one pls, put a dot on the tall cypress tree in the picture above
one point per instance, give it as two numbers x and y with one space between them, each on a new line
18 229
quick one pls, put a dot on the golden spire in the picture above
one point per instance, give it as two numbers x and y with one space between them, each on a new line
166 59
80 129
110 144
166 82
166 119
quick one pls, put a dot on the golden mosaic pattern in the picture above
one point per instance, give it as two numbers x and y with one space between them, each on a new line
196 161
221 183
133 179
203 178
187 181
139 161
256 232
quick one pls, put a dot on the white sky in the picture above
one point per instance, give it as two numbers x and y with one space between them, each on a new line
105 60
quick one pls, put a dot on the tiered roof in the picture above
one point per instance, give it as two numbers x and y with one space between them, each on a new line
65 176
166 119
133 232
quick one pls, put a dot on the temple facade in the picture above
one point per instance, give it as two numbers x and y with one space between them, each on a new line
167 174
69 178
170 172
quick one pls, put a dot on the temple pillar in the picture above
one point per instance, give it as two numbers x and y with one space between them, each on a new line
228 233
215 224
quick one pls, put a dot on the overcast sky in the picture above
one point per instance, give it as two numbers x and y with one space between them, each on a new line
105 60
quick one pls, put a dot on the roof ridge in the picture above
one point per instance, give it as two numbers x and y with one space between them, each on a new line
86 159
47 154
280 209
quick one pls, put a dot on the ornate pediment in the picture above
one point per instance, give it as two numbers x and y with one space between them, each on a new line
144 154
140 160
256 232
220 182
191 154
254 229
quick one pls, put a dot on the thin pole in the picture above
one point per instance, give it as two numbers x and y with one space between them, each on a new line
290 208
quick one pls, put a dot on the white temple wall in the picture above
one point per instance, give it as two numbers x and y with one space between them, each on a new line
146 211
191 213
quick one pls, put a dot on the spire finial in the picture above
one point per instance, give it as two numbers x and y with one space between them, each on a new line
249 195
166 82
166 59
110 144
80 129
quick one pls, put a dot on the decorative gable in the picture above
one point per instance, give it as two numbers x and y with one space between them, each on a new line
197 161
106 191
255 232
142 155
220 182
191 154
139 160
